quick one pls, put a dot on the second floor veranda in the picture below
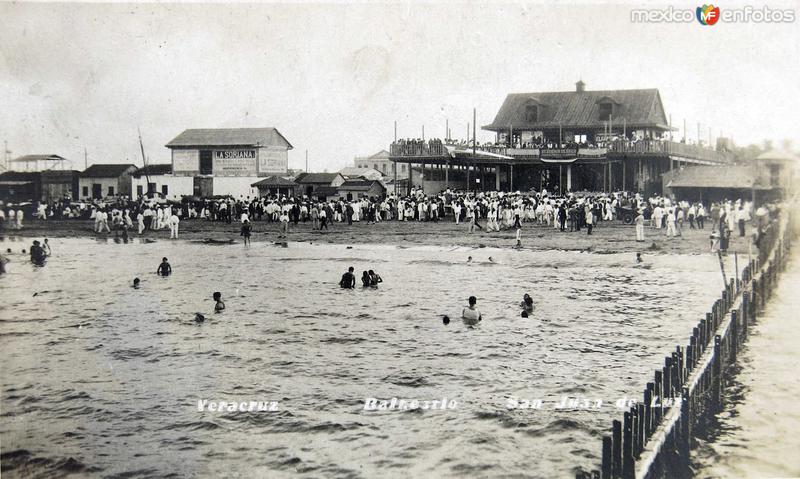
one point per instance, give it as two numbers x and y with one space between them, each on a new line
443 149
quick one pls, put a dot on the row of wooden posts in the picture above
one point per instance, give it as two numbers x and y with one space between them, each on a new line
654 437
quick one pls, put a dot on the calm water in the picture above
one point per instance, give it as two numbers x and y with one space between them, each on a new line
104 379
757 433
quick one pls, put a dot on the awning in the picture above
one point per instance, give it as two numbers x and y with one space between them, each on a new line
558 160
15 183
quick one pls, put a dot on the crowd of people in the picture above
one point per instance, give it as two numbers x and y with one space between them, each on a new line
485 211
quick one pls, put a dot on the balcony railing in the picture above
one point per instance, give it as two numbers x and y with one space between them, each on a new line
436 148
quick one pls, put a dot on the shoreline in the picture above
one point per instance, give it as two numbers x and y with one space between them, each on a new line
609 238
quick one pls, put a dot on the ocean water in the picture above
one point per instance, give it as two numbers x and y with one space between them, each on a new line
756 433
104 380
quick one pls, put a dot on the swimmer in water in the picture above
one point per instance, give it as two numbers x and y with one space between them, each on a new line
469 259
445 319
199 317
220 304
348 280
526 305
638 257
470 314
374 278
164 269
136 283
365 279
491 260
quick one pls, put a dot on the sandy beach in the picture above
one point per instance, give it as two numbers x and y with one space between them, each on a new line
609 237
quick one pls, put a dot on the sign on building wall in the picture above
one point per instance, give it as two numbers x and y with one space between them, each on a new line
234 154
273 160
187 161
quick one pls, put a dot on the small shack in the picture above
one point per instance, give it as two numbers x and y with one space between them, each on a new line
276 186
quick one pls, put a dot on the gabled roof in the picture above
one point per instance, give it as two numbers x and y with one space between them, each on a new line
581 109
359 185
778 155
106 170
316 178
275 181
230 137
381 155
735 177
34 158
155 170
351 172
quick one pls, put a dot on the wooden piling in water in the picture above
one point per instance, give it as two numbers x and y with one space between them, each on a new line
628 467
607 464
616 465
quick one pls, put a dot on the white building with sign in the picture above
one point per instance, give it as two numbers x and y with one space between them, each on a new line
227 161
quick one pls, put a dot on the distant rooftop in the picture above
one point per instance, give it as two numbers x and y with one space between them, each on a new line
230 137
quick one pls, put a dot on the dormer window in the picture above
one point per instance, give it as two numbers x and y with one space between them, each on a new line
605 111
532 113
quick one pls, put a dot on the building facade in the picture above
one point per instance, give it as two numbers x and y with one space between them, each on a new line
571 141
228 161
105 180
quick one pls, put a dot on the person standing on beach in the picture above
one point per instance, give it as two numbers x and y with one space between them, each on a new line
174 221
140 221
246 229
639 221
284 219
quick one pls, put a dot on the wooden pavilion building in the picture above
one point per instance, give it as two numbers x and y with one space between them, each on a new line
579 140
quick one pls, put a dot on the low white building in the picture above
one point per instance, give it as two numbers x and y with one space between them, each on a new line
162 183
228 161
105 180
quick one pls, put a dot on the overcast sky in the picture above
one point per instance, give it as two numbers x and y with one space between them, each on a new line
333 78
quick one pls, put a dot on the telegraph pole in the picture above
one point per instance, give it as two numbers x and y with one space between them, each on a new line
306 161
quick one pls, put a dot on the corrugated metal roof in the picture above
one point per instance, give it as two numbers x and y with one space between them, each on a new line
355 172
230 137
275 181
106 170
581 109
34 158
381 155
358 185
779 155
316 178
155 170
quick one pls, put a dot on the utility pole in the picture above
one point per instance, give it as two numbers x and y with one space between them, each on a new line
306 161
6 156
85 159
474 129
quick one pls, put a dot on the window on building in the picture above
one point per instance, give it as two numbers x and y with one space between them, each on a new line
774 175
139 190
110 191
375 166
165 190
605 111
531 113
85 191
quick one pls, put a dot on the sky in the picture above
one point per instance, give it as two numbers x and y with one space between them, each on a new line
334 77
